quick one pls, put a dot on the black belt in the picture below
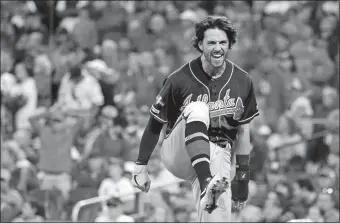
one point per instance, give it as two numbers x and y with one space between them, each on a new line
222 144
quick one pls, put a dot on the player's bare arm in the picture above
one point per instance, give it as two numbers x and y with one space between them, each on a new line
242 144
242 149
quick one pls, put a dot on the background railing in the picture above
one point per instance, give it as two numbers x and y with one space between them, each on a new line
95 200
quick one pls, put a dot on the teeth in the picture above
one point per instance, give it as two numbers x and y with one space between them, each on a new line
217 55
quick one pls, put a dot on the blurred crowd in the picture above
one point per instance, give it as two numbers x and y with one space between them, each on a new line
78 77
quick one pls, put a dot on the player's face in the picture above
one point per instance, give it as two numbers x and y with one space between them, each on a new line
215 46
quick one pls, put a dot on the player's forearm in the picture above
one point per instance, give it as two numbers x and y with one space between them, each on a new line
149 140
242 150
242 144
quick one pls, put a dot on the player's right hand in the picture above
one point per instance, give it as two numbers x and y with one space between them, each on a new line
140 178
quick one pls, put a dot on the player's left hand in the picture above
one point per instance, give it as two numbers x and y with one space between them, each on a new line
238 205
239 191
140 178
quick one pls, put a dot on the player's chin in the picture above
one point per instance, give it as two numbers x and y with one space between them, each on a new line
217 64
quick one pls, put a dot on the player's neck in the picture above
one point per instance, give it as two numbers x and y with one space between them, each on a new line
213 72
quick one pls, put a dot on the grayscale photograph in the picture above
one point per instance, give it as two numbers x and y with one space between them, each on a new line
169 111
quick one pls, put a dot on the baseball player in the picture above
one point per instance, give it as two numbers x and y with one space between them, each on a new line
205 108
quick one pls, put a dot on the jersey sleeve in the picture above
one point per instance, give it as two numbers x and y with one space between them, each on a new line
250 107
160 108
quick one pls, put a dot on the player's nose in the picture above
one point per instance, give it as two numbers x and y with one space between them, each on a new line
217 48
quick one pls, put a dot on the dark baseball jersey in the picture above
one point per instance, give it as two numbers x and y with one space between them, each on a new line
230 98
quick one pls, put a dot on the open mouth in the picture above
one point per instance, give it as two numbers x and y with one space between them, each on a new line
217 55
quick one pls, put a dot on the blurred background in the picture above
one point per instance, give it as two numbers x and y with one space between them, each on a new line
77 80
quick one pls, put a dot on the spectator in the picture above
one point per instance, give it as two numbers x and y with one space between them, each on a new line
84 31
107 139
286 134
57 132
79 90
42 75
107 78
116 183
114 213
11 200
26 88
31 212
7 79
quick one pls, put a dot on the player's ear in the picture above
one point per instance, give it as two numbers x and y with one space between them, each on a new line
200 45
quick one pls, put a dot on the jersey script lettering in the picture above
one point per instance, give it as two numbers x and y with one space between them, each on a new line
227 106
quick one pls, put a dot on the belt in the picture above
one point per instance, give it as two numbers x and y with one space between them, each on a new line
222 144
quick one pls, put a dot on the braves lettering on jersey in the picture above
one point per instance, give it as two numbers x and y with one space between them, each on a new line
230 98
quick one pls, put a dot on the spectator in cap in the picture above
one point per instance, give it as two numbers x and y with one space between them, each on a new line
107 78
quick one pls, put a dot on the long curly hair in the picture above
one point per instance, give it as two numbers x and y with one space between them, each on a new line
210 22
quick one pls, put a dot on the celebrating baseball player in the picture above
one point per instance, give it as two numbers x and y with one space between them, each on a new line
205 108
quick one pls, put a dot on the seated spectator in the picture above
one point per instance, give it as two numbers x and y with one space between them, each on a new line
31 212
325 178
116 183
272 210
114 212
326 201
11 199
251 213
314 214
154 204
305 192
286 134
87 177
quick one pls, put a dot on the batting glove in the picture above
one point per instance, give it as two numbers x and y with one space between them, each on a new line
140 178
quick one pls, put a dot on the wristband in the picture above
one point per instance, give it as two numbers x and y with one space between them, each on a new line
242 167
242 173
